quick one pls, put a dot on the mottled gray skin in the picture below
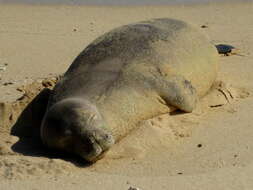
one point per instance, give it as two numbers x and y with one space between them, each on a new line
133 73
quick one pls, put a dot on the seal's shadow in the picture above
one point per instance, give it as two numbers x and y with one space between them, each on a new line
27 128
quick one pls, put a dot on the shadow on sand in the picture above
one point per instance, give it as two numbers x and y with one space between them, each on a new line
27 128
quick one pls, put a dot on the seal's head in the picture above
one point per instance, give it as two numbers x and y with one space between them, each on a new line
75 126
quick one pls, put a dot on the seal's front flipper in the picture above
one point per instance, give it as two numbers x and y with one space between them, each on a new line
178 92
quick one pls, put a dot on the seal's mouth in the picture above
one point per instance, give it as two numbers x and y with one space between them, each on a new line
94 154
92 148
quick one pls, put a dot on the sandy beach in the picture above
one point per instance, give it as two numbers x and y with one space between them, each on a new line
208 149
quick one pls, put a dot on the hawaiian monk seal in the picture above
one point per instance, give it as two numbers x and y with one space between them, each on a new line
127 75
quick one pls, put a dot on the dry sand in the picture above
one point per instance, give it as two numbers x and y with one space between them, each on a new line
211 148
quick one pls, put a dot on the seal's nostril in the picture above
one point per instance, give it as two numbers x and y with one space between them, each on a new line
91 140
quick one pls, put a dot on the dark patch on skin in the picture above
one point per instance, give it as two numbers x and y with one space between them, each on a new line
199 145
188 85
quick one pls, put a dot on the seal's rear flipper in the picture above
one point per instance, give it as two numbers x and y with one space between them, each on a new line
178 92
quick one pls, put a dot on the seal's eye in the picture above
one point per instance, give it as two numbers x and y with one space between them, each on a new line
67 132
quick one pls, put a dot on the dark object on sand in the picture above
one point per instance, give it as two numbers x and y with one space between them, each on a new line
226 49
